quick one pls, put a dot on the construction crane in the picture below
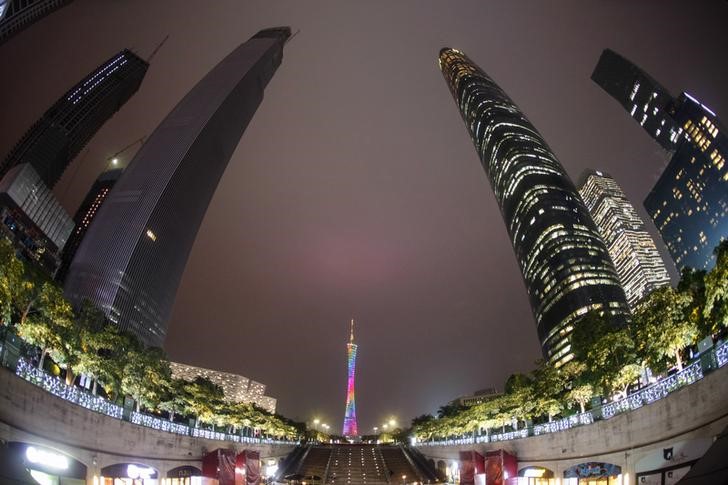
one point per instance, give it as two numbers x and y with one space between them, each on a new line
113 160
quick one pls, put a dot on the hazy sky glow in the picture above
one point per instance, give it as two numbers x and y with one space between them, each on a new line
355 191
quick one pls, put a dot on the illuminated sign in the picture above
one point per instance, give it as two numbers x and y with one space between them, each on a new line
134 471
46 458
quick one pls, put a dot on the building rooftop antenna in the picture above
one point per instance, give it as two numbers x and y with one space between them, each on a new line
156 49
292 36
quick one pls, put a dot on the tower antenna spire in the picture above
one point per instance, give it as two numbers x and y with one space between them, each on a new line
351 336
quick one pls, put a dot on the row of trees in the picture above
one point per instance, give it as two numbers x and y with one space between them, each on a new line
607 359
84 342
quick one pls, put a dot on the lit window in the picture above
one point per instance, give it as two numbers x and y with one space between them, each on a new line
151 235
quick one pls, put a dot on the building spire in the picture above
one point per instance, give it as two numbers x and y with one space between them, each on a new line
351 336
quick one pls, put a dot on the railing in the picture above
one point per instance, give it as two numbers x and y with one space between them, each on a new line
690 374
76 395
73 394
564 424
656 391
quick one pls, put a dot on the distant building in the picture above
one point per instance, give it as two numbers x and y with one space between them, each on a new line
84 216
60 134
689 202
639 265
563 260
131 260
32 217
17 15
236 387
478 397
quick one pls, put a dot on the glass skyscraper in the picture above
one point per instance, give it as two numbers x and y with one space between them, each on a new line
563 260
16 15
689 202
60 134
85 215
131 261
634 254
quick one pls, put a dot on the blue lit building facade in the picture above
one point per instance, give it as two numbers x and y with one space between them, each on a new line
689 202
132 258
60 134
563 259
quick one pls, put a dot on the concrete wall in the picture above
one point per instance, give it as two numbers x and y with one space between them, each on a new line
686 420
31 415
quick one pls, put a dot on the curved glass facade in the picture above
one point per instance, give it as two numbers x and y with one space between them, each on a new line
563 260
131 261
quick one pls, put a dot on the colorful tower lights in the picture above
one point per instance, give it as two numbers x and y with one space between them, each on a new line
350 425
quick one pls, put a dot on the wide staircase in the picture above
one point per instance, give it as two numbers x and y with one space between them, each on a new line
402 470
357 465
354 465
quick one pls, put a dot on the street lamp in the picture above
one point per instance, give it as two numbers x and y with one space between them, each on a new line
376 428
404 478
392 422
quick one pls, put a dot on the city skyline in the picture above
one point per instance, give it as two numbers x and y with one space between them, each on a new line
351 209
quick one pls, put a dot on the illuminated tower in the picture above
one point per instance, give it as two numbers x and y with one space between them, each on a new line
350 426
563 260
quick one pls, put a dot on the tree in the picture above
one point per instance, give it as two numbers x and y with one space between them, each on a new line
604 349
146 376
11 275
201 397
50 327
692 282
716 290
581 394
663 327
173 399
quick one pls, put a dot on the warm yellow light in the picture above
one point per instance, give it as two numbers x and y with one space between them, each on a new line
151 235
392 422
114 161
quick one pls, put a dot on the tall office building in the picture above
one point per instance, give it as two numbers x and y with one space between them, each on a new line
563 260
634 254
84 215
60 134
131 261
689 202
32 217
351 428
16 15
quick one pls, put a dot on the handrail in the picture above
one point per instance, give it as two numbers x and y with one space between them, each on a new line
81 397
654 392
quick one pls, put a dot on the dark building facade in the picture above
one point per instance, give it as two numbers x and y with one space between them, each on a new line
131 261
60 134
689 202
32 217
84 216
563 260
16 15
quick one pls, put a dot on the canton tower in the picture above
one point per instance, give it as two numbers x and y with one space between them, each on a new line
563 260
350 426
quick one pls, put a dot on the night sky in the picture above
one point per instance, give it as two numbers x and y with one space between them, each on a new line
356 191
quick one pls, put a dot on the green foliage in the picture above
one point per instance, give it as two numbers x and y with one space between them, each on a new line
663 327
11 274
603 349
146 377
716 290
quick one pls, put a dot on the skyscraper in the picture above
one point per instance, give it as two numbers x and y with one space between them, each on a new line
60 134
16 15
634 254
84 215
563 260
689 202
350 425
132 258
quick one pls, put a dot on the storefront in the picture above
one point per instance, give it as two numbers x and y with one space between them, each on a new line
47 466
535 475
594 473
129 474
183 475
